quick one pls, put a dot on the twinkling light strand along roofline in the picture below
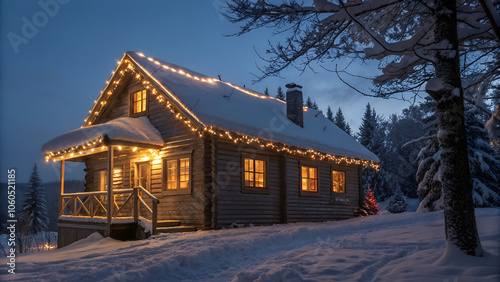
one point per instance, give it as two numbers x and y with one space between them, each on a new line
200 128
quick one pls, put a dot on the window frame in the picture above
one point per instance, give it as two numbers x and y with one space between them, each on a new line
309 193
253 189
164 176
131 108
332 169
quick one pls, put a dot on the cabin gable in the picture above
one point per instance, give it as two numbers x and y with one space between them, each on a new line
160 116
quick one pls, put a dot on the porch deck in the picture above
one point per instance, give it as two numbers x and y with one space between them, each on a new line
81 214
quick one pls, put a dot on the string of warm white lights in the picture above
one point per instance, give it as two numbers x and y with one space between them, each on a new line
201 130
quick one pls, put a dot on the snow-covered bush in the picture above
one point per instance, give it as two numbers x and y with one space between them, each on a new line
398 202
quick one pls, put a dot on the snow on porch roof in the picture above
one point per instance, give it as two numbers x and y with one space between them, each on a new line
137 130
231 108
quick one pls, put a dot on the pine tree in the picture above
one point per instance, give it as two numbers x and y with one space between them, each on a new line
399 157
484 163
428 172
377 181
341 122
329 114
372 136
309 102
266 92
398 202
314 105
348 129
34 212
370 206
367 128
484 167
280 94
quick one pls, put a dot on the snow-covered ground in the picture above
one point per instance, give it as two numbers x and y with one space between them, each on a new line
386 247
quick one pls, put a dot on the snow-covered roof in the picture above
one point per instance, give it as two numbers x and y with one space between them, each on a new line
235 109
137 130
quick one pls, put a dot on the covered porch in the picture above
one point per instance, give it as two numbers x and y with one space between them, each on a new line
113 208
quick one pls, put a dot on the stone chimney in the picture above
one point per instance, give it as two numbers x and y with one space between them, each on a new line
294 104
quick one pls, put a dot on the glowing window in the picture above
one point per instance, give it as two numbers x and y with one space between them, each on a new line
255 173
338 181
177 173
139 102
309 179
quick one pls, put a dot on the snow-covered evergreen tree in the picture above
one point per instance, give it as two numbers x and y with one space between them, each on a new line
377 181
398 202
329 114
484 163
428 172
34 213
341 122
484 167
280 94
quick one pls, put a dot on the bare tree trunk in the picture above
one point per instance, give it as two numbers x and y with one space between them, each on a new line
460 221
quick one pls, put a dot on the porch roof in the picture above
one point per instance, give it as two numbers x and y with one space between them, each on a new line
135 130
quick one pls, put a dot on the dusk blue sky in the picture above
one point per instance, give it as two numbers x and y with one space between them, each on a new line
50 84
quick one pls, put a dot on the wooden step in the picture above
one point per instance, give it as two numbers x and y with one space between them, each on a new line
175 229
168 223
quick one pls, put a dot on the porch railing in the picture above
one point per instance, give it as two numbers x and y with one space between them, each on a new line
126 203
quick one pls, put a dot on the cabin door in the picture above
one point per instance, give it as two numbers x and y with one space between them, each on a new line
143 174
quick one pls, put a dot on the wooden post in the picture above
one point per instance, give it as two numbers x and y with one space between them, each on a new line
61 188
154 217
136 204
92 206
110 188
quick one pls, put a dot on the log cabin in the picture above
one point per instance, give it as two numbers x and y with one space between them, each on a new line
167 149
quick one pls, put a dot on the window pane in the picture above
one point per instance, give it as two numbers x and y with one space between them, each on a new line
259 166
184 173
312 173
259 180
172 174
304 172
250 165
247 179
304 184
313 185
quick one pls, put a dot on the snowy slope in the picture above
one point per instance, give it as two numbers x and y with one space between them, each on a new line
219 104
390 247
